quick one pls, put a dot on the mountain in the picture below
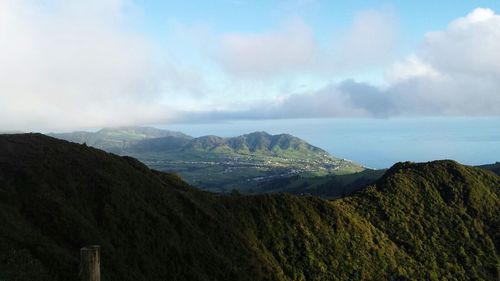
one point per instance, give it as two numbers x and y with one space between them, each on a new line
495 168
158 145
217 163
441 213
257 142
331 186
11 132
117 139
429 221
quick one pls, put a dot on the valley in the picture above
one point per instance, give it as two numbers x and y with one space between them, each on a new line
218 164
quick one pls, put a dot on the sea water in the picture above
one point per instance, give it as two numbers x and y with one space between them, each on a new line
378 143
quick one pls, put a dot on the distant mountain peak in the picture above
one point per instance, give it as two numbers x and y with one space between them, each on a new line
257 133
148 131
116 139
406 166
256 141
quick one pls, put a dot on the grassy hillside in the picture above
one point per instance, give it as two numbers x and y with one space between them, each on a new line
258 142
433 221
445 215
216 163
495 168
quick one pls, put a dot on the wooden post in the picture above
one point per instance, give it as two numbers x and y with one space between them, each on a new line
90 263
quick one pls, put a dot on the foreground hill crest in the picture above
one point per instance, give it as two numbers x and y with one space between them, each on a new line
431 221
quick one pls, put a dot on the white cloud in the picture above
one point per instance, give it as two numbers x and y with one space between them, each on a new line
70 64
412 67
470 45
370 40
456 71
286 49
293 48
74 64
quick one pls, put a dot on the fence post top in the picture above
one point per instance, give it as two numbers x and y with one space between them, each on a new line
90 247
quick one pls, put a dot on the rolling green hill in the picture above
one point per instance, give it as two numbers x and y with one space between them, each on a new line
332 186
430 221
257 142
216 163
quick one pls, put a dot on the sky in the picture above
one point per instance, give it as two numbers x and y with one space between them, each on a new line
67 64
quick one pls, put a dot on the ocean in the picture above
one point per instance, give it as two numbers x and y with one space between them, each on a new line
378 143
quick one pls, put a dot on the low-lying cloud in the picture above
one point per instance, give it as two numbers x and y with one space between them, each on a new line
67 64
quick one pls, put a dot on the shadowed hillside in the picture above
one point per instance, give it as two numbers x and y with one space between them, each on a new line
330 187
432 221
495 168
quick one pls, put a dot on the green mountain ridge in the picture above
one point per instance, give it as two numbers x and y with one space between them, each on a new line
495 168
429 221
257 142
217 163
332 186
118 139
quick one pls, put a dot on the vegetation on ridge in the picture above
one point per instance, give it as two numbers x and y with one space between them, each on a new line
495 168
330 187
432 221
